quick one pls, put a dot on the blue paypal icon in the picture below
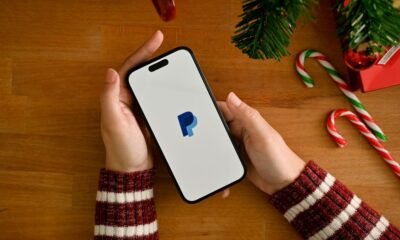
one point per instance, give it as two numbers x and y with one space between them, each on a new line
187 121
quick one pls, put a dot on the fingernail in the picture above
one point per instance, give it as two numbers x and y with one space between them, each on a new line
233 99
110 75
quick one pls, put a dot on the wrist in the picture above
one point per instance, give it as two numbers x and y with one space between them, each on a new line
290 173
126 166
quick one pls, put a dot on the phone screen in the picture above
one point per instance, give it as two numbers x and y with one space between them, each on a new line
182 115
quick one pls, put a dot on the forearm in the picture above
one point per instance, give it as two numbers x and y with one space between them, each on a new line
125 207
320 207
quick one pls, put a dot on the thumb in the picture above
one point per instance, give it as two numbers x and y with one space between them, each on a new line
250 119
109 99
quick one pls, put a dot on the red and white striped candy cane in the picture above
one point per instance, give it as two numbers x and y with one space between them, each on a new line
334 74
341 142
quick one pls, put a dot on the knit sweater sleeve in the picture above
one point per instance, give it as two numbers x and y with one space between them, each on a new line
125 206
320 207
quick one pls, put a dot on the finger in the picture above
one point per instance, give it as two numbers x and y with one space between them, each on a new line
225 193
236 128
143 53
140 55
225 111
250 119
109 99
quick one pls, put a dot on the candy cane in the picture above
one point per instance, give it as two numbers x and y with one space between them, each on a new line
334 74
341 142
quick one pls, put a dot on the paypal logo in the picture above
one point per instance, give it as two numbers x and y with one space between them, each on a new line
187 121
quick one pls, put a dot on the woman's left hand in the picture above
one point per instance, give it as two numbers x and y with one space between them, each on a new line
125 143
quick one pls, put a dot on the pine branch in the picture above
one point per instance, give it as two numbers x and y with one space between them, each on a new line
267 25
375 22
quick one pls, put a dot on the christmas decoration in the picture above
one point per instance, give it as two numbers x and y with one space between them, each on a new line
385 72
267 25
341 142
333 73
359 60
166 9
375 23
367 29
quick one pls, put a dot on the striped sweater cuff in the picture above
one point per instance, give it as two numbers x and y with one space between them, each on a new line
125 206
320 207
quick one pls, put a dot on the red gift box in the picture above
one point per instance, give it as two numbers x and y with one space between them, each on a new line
384 73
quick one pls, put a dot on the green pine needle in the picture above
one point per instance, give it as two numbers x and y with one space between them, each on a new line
375 22
267 25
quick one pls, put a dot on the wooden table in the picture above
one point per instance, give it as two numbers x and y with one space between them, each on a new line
53 56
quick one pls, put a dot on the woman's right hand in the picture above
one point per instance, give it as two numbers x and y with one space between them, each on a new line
273 165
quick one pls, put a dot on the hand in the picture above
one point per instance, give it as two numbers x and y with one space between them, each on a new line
273 165
125 143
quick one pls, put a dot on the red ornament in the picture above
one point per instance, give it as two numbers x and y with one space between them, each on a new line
346 3
359 60
166 9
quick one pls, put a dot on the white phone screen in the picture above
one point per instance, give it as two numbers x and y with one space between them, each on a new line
185 122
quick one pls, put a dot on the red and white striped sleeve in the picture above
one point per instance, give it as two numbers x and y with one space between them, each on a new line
320 207
125 206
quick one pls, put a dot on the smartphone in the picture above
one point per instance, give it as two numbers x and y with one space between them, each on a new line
182 115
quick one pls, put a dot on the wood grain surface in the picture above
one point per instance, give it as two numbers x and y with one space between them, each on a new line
53 57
